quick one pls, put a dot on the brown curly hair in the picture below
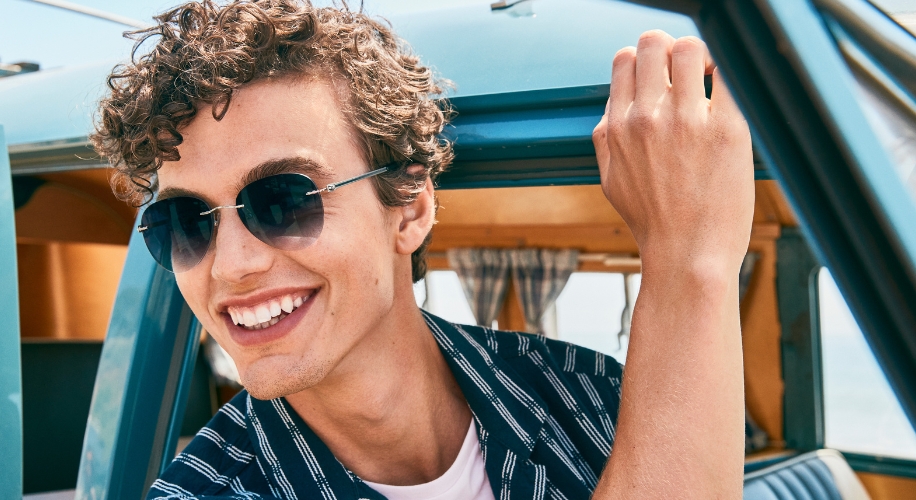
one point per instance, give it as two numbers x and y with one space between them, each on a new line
205 51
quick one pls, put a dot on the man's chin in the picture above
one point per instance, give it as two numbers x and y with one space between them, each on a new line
266 383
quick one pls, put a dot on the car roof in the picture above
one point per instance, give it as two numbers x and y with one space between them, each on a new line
533 45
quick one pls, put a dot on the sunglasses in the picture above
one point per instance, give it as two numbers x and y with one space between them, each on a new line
284 210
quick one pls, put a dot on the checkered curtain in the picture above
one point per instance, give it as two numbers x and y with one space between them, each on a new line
484 276
540 275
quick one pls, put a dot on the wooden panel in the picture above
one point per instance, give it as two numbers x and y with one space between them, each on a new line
570 205
772 205
882 487
95 183
591 238
58 212
529 205
511 317
586 237
760 331
67 289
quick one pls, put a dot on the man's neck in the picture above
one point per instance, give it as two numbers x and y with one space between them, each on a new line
395 415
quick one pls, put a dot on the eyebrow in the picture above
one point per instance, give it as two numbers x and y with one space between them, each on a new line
291 164
288 165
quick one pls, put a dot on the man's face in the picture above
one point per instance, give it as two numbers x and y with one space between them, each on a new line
346 280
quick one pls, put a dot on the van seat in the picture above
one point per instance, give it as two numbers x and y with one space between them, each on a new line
818 475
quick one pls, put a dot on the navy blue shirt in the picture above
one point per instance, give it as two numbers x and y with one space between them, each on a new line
545 410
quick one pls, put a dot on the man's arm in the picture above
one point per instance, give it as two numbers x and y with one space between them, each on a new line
678 168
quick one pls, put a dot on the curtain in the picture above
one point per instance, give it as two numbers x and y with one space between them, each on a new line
626 316
540 275
484 276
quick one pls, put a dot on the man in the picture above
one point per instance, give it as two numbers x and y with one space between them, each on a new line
249 121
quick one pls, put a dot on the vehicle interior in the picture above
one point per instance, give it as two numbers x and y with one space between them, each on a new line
116 375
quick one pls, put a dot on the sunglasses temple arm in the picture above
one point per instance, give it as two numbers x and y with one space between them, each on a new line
335 185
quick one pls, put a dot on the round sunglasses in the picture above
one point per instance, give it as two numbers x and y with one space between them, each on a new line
283 210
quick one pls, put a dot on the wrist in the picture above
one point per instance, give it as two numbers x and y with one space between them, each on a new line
705 272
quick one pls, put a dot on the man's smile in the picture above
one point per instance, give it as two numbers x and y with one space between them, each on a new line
267 313
256 320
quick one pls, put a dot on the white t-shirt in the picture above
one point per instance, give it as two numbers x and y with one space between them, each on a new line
466 479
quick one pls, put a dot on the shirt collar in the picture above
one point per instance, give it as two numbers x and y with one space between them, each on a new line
297 464
501 401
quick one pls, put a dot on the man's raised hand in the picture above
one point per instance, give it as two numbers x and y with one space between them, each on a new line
678 168
676 165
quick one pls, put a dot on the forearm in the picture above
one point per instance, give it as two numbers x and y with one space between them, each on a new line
681 422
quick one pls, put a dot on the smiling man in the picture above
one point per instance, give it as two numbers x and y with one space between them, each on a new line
291 154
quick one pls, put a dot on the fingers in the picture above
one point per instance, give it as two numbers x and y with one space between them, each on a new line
623 80
690 62
653 56
721 100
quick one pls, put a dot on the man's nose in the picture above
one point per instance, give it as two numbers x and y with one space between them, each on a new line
237 254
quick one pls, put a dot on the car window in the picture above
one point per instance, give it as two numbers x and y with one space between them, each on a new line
861 413
882 60
589 311
902 11
440 293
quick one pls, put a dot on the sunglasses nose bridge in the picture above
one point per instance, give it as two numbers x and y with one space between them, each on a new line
214 209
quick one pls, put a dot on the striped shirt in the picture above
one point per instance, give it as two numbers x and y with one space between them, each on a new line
545 411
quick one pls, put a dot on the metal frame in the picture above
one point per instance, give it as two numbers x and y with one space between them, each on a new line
797 294
529 138
881 465
10 363
143 382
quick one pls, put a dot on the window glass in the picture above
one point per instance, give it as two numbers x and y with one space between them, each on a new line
903 11
860 410
589 312
440 293
894 127
883 80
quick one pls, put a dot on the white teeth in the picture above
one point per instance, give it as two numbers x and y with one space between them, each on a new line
266 314
263 314
249 318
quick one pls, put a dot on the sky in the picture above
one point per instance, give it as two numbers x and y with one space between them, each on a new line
53 37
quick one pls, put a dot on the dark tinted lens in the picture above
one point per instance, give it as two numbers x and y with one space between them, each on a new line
280 213
176 234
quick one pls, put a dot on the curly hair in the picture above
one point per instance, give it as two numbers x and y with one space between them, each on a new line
205 51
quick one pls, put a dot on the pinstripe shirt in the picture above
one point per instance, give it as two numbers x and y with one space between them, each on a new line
545 411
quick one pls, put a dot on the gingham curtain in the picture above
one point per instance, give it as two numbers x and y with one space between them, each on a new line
484 276
540 275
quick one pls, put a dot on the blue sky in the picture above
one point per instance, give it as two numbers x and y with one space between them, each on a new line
54 37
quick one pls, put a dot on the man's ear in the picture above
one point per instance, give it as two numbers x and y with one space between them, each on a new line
417 218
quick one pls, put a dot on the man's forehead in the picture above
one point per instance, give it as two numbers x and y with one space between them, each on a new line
292 164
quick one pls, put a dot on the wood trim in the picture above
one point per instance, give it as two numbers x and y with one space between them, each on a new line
881 487
511 316
591 238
